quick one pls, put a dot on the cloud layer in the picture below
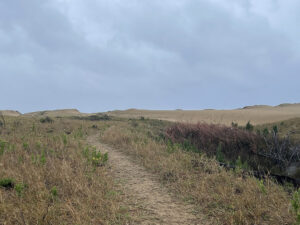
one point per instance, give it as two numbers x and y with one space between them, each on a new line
98 55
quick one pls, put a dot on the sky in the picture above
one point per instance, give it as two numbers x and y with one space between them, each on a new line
100 55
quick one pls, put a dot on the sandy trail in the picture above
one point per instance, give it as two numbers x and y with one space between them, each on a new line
144 193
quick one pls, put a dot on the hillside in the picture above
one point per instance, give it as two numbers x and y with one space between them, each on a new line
56 113
9 113
256 114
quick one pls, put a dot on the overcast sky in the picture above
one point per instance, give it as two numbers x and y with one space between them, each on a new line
99 55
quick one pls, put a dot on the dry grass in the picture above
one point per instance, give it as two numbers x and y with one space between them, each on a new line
255 114
226 197
44 157
55 181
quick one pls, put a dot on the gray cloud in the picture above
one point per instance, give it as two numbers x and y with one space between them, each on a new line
102 55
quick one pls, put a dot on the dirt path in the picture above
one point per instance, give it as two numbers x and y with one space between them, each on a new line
145 195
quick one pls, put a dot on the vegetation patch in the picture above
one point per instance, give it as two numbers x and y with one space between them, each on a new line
226 196
46 120
97 117
7 183
46 179
235 146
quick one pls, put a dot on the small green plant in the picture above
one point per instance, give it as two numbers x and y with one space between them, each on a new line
99 159
239 164
43 158
275 129
262 186
54 192
94 156
249 126
266 132
170 147
25 146
296 205
19 188
85 152
65 139
220 155
7 183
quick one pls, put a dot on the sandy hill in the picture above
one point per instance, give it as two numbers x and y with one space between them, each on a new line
259 114
10 113
56 113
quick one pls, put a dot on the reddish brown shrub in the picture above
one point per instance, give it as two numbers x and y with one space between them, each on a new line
207 137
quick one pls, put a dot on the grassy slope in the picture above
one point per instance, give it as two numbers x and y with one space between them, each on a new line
226 197
55 182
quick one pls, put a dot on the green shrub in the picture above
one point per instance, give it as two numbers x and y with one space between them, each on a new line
94 156
7 183
99 159
275 129
249 126
266 132
46 120
54 192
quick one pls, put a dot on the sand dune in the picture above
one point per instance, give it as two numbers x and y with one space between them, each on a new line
55 113
10 113
256 114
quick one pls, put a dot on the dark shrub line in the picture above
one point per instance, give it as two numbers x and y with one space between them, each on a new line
93 117
263 153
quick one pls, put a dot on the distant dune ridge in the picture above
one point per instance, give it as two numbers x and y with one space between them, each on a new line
256 114
59 112
10 113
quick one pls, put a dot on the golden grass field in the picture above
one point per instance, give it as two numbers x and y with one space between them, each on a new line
254 114
58 180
